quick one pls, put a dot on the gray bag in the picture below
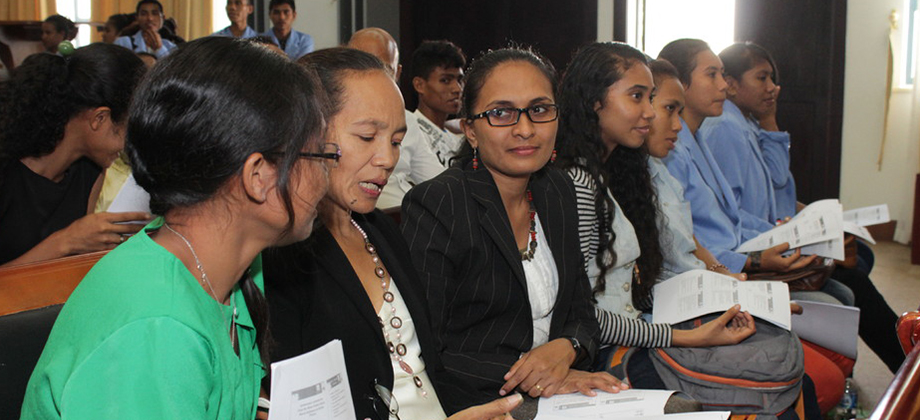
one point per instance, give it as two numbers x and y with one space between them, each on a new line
761 375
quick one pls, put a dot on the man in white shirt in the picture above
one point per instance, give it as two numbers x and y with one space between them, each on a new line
437 78
238 12
147 39
417 162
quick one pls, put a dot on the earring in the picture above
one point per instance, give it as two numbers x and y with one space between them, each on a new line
476 158
552 159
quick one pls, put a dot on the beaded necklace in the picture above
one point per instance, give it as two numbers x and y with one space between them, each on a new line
527 254
397 350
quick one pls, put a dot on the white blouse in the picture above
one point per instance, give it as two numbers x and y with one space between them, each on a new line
542 286
412 405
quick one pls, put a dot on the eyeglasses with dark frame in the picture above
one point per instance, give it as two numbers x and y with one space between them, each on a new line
382 395
331 151
508 116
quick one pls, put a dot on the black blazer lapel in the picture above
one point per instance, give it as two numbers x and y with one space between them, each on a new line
495 221
337 266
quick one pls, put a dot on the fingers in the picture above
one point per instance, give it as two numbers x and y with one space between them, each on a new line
489 410
802 262
125 229
729 314
795 308
515 375
781 248
739 276
129 216
600 380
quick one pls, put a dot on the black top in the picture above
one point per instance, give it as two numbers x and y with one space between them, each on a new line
314 296
463 246
33 207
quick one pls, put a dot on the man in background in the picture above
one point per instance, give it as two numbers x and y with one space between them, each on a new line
294 43
238 12
147 39
437 78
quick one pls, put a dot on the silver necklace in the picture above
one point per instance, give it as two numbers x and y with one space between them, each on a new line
398 350
231 325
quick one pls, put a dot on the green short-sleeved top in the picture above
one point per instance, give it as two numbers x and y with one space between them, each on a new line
141 339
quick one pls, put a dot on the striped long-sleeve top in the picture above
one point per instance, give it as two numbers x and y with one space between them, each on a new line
615 311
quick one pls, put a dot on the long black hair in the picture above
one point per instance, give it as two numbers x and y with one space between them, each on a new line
203 111
47 90
476 76
624 172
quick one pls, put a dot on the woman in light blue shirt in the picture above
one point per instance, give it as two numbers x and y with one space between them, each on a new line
718 222
745 140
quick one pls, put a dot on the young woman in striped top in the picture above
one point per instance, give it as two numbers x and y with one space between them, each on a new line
607 114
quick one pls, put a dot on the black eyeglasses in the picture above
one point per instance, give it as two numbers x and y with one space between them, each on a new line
383 396
504 117
331 151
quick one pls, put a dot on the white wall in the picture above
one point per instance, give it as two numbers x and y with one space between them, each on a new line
861 182
604 20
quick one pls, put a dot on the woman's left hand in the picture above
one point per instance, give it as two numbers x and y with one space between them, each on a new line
542 370
587 382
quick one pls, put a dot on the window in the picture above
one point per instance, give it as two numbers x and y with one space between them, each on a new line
81 13
219 15
911 35
658 22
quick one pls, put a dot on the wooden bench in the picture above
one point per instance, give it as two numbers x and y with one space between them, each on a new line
31 296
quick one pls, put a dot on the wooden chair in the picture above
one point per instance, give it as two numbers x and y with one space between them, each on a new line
31 296
900 400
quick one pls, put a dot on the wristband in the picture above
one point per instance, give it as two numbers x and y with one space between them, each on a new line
755 260
264 405
576 345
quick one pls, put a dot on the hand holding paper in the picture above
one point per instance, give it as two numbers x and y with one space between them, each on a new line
699 292
818 223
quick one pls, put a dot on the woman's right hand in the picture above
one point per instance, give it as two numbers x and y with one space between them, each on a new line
772 259
731 327
494 410
98 231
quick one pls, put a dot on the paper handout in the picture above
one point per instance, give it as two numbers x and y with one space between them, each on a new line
699 292
313 385
629 403
868 216
832 249
834 327
131 197
857 230
821 221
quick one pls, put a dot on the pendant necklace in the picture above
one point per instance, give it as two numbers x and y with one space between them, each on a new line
231 325
397 350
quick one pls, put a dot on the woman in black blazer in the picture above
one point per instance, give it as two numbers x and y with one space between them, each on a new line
495 239
353 280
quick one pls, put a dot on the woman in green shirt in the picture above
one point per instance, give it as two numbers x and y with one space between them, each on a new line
172 323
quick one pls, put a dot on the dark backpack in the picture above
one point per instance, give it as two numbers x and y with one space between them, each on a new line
762 375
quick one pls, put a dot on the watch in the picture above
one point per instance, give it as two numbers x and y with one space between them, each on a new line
579 351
